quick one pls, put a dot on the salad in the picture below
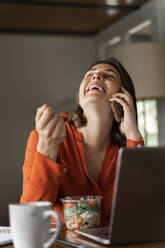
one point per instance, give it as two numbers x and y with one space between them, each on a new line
81 212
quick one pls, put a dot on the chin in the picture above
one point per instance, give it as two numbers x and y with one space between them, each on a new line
94 100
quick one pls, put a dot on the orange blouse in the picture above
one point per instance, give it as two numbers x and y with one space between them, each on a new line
46 180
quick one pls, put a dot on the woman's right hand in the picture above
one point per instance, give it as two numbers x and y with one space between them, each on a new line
51 130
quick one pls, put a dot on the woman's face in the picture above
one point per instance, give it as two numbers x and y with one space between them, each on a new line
99 83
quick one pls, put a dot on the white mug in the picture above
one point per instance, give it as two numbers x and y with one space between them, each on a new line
30 223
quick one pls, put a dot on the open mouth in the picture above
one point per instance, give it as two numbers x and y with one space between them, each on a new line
95 87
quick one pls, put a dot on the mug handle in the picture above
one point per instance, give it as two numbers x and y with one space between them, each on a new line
52 239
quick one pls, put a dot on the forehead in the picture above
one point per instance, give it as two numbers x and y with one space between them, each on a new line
103 66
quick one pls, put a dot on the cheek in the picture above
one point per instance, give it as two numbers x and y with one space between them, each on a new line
80 93
115 88
82 88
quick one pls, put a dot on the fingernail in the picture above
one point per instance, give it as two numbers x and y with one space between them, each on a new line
44 106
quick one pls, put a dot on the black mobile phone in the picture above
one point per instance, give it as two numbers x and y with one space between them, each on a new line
117 111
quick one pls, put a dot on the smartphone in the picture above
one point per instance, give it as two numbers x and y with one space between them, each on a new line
117 111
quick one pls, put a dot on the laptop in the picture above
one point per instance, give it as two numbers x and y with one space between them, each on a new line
138 207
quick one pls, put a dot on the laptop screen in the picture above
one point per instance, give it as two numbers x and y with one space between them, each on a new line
138 211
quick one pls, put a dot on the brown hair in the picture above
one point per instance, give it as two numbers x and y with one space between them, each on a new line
78 119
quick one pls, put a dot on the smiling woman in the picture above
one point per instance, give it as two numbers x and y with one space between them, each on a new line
77 157
106 71
97 80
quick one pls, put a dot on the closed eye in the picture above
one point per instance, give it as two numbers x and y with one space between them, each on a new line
89 75
106 75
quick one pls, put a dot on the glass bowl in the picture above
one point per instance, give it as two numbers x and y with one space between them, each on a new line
81 212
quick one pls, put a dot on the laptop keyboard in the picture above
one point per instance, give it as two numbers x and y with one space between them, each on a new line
101 232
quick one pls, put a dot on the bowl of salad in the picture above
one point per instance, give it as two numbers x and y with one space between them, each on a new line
81 212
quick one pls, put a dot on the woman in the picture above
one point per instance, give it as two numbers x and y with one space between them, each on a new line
78 156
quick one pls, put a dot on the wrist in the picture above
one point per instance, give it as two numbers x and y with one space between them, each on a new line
134 135
48 149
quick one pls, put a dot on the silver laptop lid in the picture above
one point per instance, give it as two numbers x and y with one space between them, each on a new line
138 211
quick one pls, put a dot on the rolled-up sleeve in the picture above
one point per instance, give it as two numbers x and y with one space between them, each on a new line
41 175
138 144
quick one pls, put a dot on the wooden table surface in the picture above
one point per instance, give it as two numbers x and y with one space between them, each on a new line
73 237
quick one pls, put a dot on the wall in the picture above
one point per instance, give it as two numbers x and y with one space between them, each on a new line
154 11
33 70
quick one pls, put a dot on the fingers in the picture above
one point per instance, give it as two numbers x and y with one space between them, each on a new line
51 130
125 91
40 111
119 100
44 116
117 111
49 123
126 102
59 129
124 95
54 126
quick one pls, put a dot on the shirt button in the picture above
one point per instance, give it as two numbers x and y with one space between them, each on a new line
139 145
64 170
56 182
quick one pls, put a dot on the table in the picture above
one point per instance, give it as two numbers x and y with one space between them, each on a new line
73 237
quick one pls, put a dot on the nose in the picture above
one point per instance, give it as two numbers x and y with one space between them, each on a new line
97 76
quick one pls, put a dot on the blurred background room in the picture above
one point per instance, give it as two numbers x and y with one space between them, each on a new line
46 46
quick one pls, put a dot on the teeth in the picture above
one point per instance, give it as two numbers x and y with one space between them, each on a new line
96 87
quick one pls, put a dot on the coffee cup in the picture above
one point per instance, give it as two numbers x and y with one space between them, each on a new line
30 224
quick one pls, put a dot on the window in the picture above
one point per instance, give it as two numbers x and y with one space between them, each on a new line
147 121
141 32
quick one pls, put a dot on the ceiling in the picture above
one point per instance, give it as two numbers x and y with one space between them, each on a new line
66 17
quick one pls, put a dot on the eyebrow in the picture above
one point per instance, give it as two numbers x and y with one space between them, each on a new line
108 70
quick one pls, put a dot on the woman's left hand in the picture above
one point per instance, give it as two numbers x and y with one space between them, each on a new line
128 125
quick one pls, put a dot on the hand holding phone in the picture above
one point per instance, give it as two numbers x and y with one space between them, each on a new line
117 111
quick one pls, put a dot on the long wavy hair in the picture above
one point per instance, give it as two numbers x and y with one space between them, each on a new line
78 119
